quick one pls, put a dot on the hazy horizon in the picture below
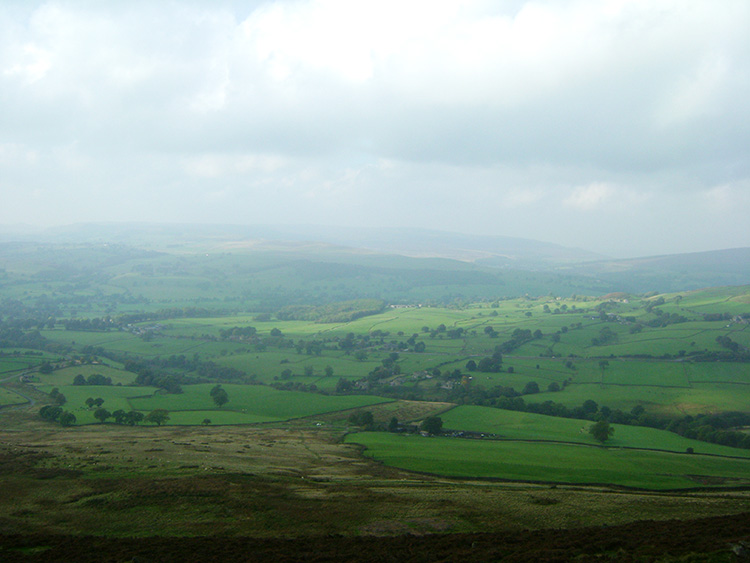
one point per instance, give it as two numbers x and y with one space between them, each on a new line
618 127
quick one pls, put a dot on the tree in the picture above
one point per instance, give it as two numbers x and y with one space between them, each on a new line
419 347
50 412
102 414
220 396
79 380
601 431
530 388
432 425
67 419
98 402
589 406
329 371
133 417
206 421
158 416
361 418
393 425
119 416
90 402
344 385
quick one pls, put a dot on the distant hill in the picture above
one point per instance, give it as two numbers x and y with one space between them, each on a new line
495 251
675 272
559 269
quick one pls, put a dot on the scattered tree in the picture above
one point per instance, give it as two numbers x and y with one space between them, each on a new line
393 425
102 414
50 412
67 419
601 431
361 418
220 396
432 425
158 416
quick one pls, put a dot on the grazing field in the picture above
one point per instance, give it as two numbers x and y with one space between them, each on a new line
62 377
512 425
552 462
8 397
253 400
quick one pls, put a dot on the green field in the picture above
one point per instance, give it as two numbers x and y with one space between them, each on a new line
256 400
513 425
8 397
552 462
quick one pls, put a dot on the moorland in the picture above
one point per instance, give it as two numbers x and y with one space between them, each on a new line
265 391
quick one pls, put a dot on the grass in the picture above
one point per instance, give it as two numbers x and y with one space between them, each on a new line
708 398
259 401
551 462
8 397
66 376
528 426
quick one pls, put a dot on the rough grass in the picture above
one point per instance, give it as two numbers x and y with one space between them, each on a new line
277 482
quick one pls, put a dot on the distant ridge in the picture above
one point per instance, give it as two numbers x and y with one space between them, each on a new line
370 246
672 272
495 251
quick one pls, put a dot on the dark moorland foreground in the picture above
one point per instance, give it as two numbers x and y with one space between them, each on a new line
215 398
707 539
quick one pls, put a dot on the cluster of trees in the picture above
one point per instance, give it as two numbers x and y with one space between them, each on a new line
714 428
238 333
432 425
519 337
57 397
54 413
14 337
664 319
341 312
606 336
170 373
363 419
91 402
93 379
489 364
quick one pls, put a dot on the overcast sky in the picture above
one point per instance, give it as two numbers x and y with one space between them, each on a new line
617 126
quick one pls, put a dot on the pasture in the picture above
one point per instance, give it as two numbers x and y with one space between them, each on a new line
511 425
552 462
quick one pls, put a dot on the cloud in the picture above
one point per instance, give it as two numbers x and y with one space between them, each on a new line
588 198
439 114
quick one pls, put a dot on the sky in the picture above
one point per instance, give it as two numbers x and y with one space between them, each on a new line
618 126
